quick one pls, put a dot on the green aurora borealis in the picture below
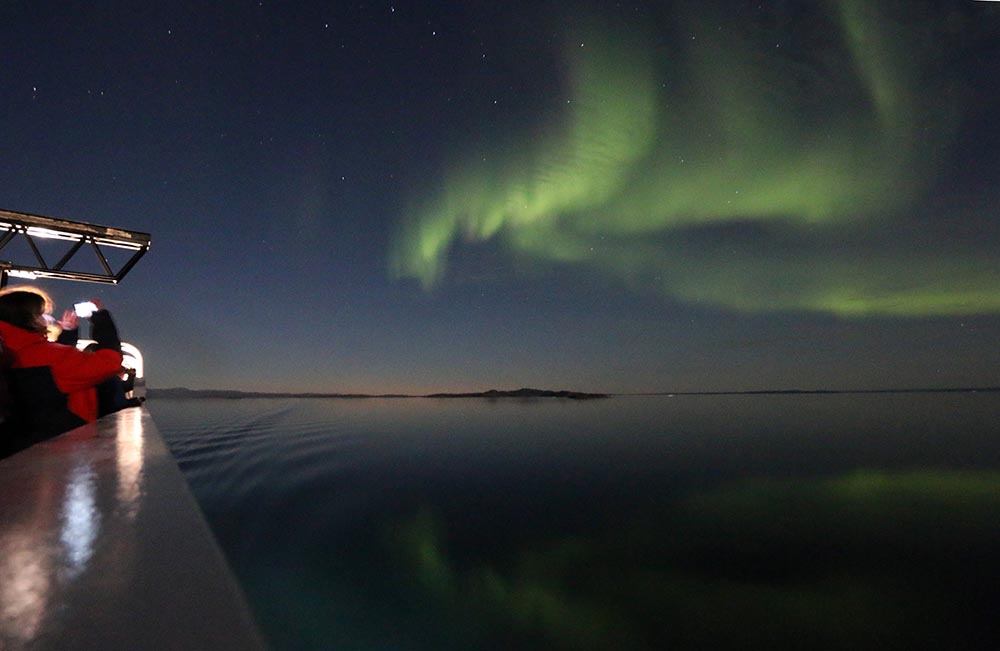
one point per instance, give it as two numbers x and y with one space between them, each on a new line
737 170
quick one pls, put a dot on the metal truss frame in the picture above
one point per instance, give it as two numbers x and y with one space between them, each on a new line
77 235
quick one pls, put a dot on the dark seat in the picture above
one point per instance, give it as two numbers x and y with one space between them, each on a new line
38 410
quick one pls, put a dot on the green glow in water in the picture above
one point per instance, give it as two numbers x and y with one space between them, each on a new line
765 562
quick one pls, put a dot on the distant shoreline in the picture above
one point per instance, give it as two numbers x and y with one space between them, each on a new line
181 393
772 392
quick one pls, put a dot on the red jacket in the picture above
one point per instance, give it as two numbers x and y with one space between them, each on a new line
76 373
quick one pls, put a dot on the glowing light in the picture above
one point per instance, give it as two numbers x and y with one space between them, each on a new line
132 357
814 165
47 234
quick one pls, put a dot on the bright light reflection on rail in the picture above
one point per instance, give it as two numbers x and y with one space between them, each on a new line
128 447
25 585
80 518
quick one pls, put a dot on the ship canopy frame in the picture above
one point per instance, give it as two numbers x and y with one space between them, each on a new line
77 235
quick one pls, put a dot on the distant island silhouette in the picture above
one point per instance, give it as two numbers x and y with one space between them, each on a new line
522 393
182 393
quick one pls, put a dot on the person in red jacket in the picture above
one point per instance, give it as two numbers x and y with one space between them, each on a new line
52 385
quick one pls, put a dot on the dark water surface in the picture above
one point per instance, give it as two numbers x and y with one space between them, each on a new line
711 522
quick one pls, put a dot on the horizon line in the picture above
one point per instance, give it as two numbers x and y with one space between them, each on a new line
315 394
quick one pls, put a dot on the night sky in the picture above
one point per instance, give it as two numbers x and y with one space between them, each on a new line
618 196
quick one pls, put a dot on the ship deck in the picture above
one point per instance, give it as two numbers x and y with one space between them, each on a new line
102 546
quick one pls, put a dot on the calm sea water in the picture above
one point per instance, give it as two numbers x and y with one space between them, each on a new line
795 521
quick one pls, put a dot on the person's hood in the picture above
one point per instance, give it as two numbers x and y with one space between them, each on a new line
15 338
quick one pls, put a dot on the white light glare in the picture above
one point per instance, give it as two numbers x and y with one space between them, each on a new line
132 356
47 234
